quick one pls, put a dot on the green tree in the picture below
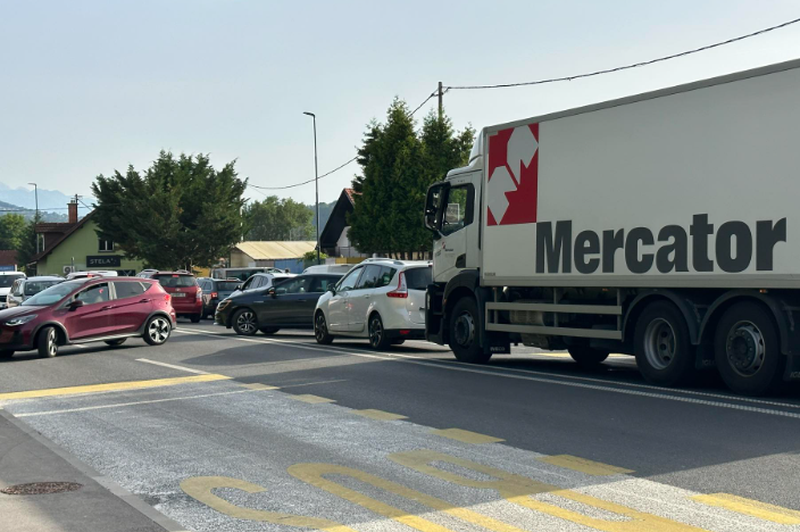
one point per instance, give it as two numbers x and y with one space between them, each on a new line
278 219
398 164
12 230
180 212
27 246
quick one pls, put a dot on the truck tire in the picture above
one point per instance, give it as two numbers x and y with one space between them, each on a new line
464 332
47 342
747 350
587 356
664 354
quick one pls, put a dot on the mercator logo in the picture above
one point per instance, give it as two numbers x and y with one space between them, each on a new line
513 176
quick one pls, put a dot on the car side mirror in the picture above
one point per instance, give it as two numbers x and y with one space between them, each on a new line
272 292
238 287
75 305
332 289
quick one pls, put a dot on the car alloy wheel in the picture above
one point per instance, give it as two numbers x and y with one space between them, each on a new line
377 334
246 322
158 331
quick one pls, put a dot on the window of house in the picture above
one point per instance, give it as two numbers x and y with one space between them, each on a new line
105 245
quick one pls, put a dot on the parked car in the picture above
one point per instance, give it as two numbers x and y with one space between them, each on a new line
242 274
104 309
187 296
147 273
288 304
380 299
341 269
6 280
91 273
26 287
214 291
261 281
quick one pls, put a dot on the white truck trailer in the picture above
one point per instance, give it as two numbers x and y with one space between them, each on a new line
663 225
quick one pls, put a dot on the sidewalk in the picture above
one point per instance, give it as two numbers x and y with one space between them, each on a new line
98 506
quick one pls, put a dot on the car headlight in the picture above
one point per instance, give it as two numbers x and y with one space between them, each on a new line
223 304
22 320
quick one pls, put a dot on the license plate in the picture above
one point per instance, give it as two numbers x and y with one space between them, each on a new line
179 294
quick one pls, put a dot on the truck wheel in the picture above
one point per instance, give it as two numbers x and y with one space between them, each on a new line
587 356
664 353
47 342
747 350
464 332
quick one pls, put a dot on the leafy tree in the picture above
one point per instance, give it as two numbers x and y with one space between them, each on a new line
310 258
398 165
27 246
178 213
278 219
12 230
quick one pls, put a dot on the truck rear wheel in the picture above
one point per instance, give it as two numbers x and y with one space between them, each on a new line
464 332
747 350
586 356
664 353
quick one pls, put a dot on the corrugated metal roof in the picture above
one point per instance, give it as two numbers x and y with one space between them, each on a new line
276 250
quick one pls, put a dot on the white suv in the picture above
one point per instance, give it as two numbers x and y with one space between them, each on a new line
380 299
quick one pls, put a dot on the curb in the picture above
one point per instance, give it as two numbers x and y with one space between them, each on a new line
132 500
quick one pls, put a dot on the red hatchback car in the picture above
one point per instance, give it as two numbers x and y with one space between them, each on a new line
187 296
104 309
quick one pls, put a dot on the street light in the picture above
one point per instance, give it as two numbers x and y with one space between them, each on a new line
36 218
316 176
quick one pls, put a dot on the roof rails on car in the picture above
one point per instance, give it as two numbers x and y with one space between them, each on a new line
384 259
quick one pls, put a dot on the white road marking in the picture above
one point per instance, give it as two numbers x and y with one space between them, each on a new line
173 366
502 373
132 403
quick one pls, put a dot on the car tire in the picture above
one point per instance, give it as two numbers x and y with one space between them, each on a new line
116 343
157 331
378 338
321 330
464 330
47 342
245 322
196 318
5 355
269 331
747 350
587 357
664 353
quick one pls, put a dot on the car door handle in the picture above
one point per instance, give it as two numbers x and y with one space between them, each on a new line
107 307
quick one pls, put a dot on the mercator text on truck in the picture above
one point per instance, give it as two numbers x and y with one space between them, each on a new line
662 225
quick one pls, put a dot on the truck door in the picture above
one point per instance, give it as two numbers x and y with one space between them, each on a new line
452 251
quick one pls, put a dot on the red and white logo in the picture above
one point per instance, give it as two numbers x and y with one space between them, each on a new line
513 176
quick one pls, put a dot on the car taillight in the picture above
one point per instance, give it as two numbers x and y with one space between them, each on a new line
199 294
402 288
214 295
167 297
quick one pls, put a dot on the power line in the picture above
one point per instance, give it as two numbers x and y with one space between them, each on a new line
41 209
626 67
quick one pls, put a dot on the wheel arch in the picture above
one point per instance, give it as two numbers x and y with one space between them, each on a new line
63 336
688 309
153 315
465 284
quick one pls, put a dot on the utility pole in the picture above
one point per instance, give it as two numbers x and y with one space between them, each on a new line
316 176
36 216
441 94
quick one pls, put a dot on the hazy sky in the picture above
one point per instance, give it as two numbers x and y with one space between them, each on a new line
92 86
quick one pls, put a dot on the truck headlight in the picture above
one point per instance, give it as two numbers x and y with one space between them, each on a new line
22 320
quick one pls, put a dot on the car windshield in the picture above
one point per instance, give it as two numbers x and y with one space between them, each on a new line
176 281
8 280
34 287
418 278
54 294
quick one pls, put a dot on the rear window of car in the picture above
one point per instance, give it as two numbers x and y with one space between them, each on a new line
418 278
7 280
227 285
176 281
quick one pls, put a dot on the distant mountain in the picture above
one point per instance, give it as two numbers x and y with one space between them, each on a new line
6 208
48 199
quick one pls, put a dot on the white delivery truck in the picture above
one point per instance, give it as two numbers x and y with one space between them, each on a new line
664 225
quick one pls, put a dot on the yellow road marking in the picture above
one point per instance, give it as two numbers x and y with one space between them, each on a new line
760 510
312 399
259 386
110 387
584 466
466 436
378 414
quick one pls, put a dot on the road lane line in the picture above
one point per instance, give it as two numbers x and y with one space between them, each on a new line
131 403
466 436
310 398
380 415
757 509
583 465
312 383
110 387
172 366
560 380
260 386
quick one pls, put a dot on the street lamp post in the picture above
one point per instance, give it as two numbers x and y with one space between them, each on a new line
316 176
36 217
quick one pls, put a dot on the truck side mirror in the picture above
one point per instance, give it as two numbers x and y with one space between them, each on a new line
433 208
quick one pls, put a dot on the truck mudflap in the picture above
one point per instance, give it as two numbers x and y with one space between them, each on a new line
495 343
434 314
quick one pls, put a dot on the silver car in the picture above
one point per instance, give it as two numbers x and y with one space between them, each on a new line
25 288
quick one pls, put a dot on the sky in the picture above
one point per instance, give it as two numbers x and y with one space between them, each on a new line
89 87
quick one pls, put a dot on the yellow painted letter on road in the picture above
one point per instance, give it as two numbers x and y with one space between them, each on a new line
202 489
314 474
518 490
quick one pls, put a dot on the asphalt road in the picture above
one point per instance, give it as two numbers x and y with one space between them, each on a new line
222 432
